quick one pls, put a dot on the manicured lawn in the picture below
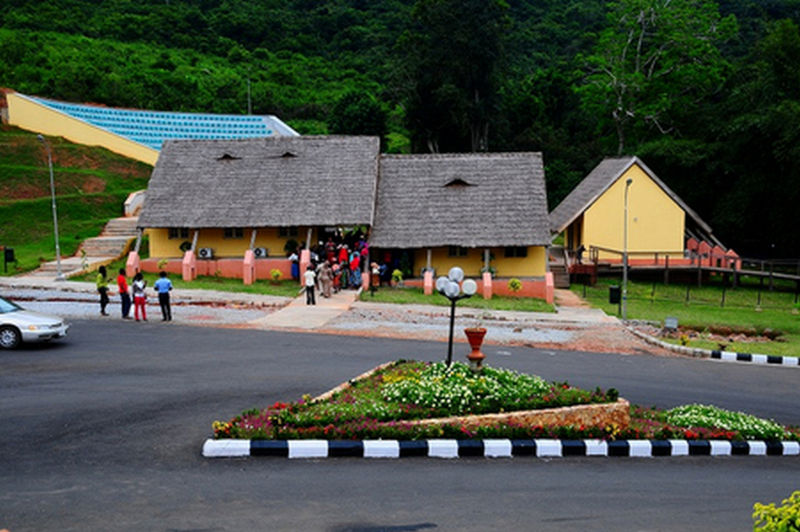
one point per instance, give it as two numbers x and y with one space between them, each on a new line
416 296
703 309
286 288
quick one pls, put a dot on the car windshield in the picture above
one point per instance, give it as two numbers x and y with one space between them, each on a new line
8 306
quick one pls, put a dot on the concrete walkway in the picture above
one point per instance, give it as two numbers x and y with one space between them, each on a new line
298 315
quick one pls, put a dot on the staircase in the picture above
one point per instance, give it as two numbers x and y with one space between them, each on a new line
558 267
113 243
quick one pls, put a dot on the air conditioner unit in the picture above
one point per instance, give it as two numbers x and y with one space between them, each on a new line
205 253
260 253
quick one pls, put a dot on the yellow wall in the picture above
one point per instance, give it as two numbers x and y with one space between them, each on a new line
33 116
163 247
533 265
655 221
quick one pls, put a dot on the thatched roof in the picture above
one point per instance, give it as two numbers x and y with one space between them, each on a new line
469 200
597 182
265 182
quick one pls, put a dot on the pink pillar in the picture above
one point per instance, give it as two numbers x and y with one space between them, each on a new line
733 259
427 282
487 285
249 267
703 249
132 264
305 260
549 288
365 280
189 266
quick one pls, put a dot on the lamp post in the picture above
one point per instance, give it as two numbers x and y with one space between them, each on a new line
59 273
625 254
449 288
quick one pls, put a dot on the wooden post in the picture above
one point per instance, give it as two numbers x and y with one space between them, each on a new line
724 287
666 270
771 268
760 288
699 274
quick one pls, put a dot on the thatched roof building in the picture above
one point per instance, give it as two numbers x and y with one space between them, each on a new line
265 182
468 200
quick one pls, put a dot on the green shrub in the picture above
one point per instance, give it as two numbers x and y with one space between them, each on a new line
514 285
748 426
785 518
275 274
397 276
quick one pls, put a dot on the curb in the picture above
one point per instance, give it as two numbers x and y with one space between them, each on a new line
716 354
494 448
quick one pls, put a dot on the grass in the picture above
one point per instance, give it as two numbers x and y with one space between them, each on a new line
647 301
91 187
285 288
416 296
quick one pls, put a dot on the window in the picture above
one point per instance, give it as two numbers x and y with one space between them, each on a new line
233 232
456 251
285 232
516 251
177 232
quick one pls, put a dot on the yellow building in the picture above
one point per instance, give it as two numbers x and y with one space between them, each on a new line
658 221
137 134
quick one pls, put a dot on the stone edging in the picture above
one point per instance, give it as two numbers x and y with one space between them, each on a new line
494 448
723 356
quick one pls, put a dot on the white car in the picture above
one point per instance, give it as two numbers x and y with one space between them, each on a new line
19 325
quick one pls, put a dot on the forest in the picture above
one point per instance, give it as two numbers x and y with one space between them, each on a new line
706 92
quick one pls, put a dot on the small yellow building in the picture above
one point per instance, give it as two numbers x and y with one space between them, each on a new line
658 221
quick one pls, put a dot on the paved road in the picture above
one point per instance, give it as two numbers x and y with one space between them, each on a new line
103 432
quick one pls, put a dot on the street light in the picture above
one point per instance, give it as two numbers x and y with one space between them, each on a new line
625 254
449 288
59 273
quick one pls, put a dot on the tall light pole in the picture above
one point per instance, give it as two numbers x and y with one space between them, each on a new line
625 254
59 273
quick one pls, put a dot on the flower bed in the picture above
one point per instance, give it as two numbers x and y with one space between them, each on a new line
415 400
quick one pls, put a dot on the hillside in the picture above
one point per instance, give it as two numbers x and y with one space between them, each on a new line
91 187
454 75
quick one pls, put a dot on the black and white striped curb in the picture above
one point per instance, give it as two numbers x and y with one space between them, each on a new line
716 354
493 448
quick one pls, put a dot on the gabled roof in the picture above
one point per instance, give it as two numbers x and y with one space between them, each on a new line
469 200
598 181
266 182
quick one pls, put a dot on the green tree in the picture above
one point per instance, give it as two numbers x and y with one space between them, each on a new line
358 113
655 59
451 65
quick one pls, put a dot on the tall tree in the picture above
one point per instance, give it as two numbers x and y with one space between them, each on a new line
656 58
451 59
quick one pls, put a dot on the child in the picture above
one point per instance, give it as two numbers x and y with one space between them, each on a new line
139 296
102 288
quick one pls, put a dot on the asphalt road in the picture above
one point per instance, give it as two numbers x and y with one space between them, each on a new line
103 431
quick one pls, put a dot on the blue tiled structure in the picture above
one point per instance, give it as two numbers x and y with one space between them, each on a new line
152 128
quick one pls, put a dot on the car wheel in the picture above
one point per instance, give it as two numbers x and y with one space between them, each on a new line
9 337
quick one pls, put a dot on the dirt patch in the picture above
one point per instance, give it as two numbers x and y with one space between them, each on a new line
23 191
93 184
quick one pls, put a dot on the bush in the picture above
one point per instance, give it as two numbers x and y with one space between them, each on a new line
275 274
514 285
785 518
397 276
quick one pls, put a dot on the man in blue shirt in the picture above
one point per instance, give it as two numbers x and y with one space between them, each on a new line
163 287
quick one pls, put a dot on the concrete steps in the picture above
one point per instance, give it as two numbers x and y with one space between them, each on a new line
106 246
121 227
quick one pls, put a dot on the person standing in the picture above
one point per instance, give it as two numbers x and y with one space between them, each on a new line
102 289
125 297
310 279
139 296
164 286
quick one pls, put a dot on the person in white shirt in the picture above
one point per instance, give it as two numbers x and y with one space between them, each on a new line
310 279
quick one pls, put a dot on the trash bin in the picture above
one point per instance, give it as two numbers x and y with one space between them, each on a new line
9 255
614 295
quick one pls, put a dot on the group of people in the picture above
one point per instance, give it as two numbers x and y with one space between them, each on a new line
162 286
334 267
